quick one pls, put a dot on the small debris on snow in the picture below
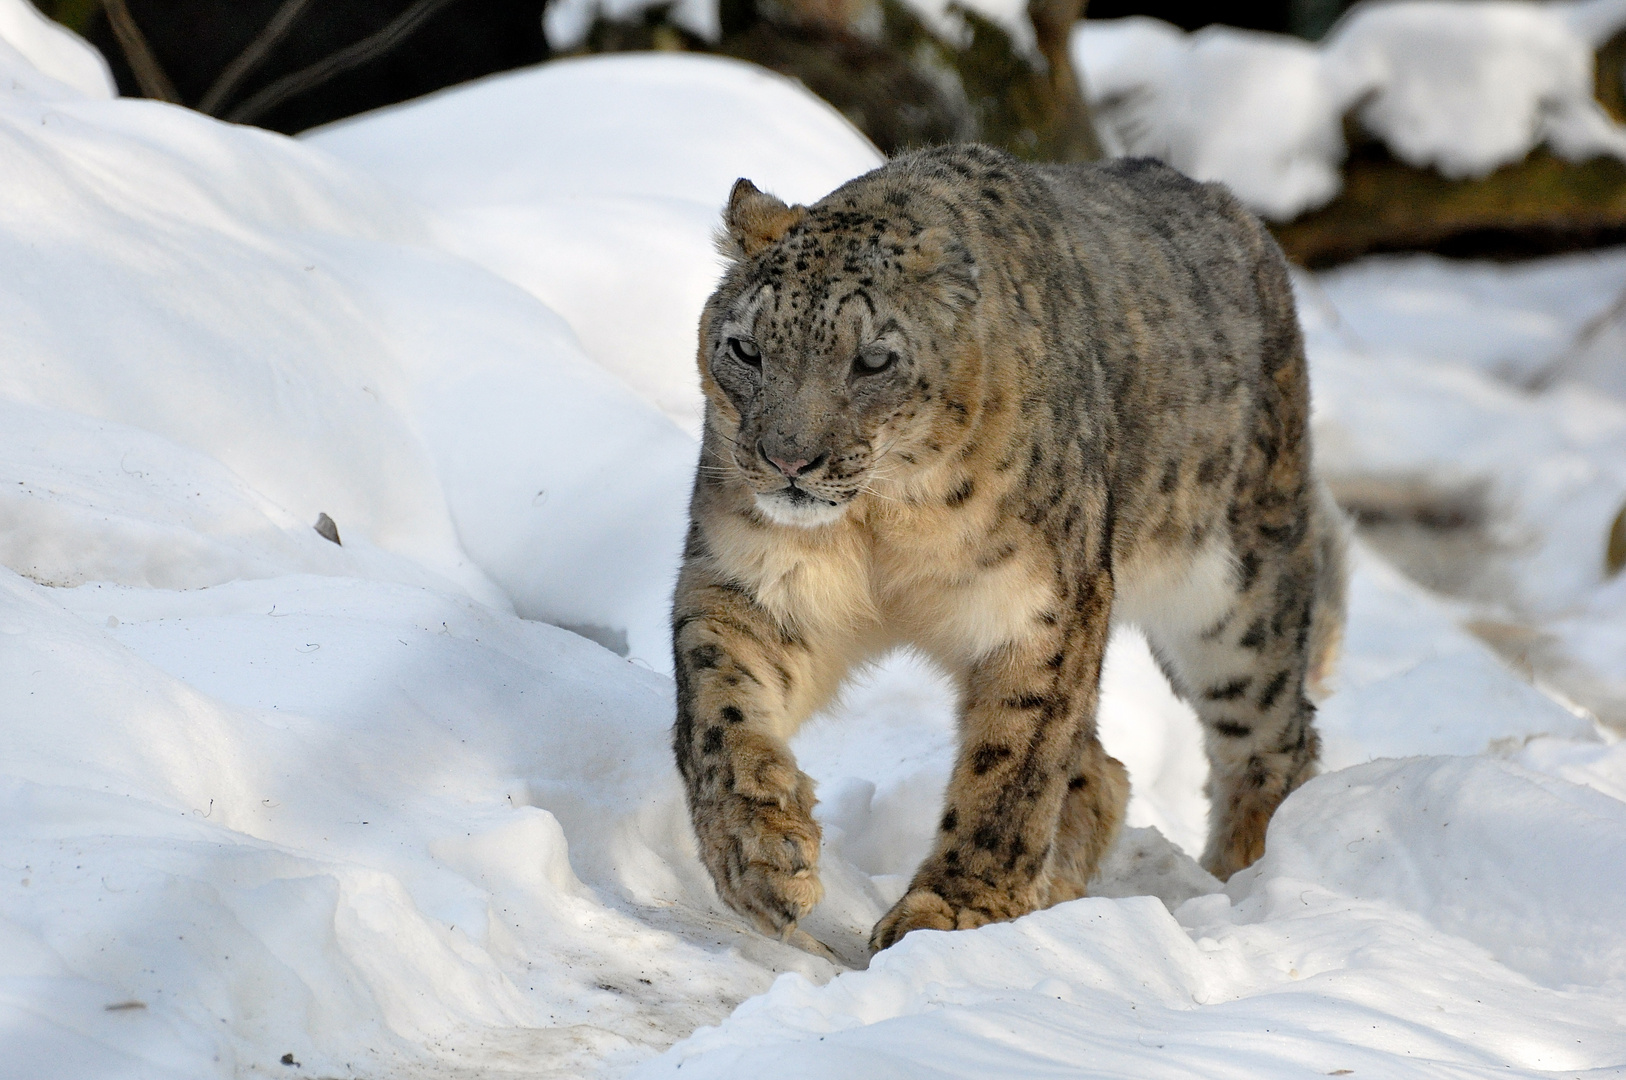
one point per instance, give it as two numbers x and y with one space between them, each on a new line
326 529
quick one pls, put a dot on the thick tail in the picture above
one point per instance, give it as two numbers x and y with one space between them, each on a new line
1331 530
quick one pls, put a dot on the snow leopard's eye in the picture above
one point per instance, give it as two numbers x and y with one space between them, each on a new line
745 351
873 361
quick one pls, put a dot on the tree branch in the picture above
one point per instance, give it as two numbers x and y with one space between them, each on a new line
368 48
149 74
1072 127
250 58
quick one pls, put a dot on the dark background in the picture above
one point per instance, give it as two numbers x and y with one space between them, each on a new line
194 40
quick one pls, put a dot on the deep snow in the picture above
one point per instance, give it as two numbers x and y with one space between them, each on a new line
266 799
559 225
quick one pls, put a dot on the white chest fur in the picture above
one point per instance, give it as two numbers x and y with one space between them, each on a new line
946 590
885 584
961 619
877 584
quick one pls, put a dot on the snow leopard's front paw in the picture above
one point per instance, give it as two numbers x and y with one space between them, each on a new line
926 909
919 909
762 849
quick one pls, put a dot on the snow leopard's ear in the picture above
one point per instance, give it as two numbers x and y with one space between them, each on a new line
753 220
938 260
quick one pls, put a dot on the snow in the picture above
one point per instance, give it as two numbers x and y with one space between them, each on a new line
568 22
1467 88
1421 368
252 300
1314 961
486 157
44 58
1253 110
1569 450
359 808
1461 87
1508 320
298 802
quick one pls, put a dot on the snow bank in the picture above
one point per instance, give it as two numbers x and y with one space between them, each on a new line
1535 325
88 500
1592 357
251 300
295 816
1593 637
32 47
1463 87
549 176
1388 891
1510 321
182 279
1412 681
1421 368
1508 860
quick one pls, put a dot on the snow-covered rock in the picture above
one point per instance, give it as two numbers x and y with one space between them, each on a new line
567 22
1463 87
1467 87
1253 110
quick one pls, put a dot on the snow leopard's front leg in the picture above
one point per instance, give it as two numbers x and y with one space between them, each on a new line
752 808
1027 748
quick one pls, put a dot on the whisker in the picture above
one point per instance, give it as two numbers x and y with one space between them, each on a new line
721 457
732 442
880 454
866 489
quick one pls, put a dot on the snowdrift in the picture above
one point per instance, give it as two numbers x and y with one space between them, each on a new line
1347 948
256 303
487 158
275 806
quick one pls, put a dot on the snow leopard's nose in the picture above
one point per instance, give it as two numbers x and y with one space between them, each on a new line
791 469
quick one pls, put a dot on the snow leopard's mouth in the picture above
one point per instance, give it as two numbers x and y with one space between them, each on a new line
793 505
799 496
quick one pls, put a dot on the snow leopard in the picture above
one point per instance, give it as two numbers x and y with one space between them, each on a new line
987 410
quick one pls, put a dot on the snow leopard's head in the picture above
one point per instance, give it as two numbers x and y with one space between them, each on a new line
828 351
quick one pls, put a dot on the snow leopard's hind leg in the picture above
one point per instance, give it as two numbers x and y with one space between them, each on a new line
1248 673
1248 663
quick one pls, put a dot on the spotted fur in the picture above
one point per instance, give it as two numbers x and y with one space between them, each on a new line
984 409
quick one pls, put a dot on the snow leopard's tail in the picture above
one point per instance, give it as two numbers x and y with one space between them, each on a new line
1332 587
